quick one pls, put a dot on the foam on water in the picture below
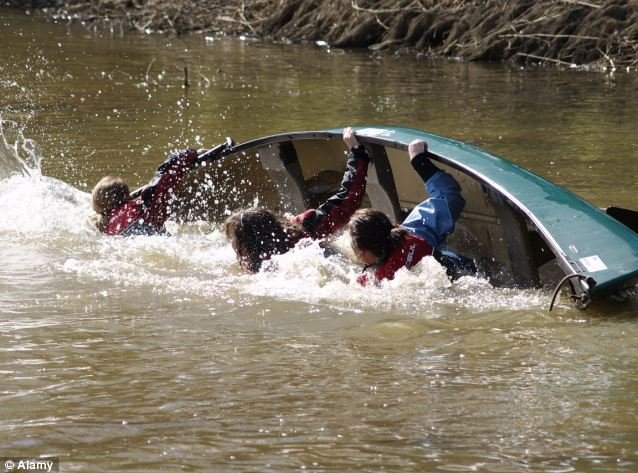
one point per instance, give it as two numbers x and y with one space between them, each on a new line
305 274
203 265
182 264
31 205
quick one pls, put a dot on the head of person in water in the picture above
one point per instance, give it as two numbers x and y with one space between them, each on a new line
373 236
108 194
256 234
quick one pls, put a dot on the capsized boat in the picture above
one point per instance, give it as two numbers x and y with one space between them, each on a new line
521 229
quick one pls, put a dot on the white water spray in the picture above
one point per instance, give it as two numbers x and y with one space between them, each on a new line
13 145
198 261
30 203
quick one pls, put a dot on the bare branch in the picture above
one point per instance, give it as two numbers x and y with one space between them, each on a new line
544 35
375 12
547 59
577 2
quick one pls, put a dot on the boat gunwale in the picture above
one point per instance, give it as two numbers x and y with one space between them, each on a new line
366 134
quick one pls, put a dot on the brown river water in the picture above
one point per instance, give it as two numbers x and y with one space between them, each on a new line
158 354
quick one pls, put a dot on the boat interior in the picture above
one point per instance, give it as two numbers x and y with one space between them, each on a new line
291 175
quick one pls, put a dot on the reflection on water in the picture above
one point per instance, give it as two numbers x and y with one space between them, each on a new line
158 353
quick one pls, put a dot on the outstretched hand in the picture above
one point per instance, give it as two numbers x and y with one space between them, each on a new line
350 138
417 147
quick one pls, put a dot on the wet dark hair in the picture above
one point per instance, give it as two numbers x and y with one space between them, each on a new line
261 234
371 230
108 194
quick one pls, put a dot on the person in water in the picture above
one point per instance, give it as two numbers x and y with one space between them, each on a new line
119 213
386 247
257 234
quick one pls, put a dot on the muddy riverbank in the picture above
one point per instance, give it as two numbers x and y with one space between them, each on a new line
593 34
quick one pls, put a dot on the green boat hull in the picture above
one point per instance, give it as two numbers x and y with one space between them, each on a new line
522 229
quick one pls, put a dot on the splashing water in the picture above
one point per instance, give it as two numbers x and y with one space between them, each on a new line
203 266
197 262
33 204
422 290
10 161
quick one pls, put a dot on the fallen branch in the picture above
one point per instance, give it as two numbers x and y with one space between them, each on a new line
205 79
545 35
148 71
585 4
610 60
420 4
376 12
186 81
241 22
523 22
547 59
244 21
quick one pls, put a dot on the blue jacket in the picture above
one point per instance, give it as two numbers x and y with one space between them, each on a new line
433 219
429 224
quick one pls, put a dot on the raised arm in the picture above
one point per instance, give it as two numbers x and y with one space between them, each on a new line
434 218
337 210
156 195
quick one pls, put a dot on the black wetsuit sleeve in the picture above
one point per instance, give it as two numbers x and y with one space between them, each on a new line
424 167
337 210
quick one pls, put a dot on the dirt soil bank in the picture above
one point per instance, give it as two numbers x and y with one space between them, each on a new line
598 34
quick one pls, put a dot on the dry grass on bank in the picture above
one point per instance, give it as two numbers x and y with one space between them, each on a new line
602 34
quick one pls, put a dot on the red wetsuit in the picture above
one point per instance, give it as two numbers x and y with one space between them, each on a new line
334 213
146 213
428 225
413 250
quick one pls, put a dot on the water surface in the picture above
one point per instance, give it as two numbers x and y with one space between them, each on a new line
158 354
